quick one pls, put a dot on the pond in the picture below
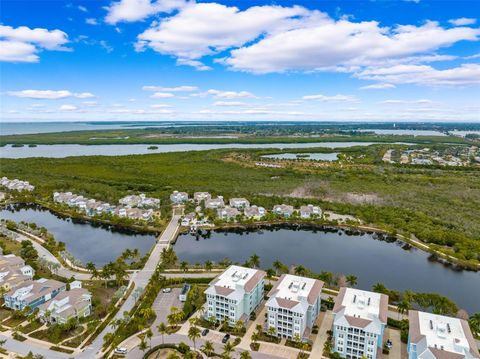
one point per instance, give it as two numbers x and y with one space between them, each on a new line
341 252
304 156
85 241
406 132
60 151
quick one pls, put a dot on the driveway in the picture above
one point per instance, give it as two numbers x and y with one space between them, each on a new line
399 349
162 305
326 322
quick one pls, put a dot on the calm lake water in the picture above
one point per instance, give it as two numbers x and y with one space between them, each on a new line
406 132
371 260
60 151
87 242
305 156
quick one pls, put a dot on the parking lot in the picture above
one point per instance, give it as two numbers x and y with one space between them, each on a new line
163 303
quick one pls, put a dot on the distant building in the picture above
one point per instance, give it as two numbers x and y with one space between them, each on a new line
33 294
72 304
235 294
140 201
215 203
227 213
433 336
283 210
179 197
294 306
239 203
359 323
201 196
310 211
254 212
14 272
16 184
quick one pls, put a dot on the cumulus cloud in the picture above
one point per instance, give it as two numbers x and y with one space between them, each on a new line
379 86
230 94
137 10
68 108
49 94
463 21
91 21
183 88
335 98
162 95
22 44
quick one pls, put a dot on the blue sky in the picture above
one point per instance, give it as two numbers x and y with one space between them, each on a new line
381 60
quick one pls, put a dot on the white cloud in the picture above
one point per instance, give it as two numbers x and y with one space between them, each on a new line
68 108
463 75
82 8
403 102
230 94
22 44
336 98
463 21
379 86
90 103
201 29
160 106
49 94
137 10
162 95
91 21
183 88
228 103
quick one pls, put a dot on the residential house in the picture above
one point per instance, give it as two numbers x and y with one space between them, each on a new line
310 211
283 210
73 304
239 203
16 184
140 200
254 212
179 197
235 294
33 294
436 336
189 219
215 203
201 196
294 306
14 272
227 213
359 323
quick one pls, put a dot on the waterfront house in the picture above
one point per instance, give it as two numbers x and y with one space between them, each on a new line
239 203
254 212
215 203
227 213
432 336
235 294
188 219
16 184
359 323
201 196
310 211
283 210
33 294
294 306
179 197
73 304
140 200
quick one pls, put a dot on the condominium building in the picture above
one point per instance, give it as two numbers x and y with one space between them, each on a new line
73 304
435 336
235 294
239 203
33 294
359 323
201 196
179 197
214 203
294 305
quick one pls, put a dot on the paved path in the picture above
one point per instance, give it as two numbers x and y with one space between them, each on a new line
326 324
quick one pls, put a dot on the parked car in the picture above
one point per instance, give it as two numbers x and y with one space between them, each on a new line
166 290
205 332
226 338
120 350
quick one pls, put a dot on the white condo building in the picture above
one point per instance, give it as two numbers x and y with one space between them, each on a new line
359 323
433 336
294 305
235 294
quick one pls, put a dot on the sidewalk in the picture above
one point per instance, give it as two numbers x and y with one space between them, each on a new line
322 336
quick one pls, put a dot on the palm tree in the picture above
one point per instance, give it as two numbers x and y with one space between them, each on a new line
162 329
208 265
474 322
270 273
271 331
92 269
379 288
227 350
300 270
147 312
255 337
403 307
193 335
184 266
149 335
143 346
207 348
175 316
245 355
239 327
254 261
279 267
351 279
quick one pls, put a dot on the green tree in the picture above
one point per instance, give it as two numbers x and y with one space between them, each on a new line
403 307
300 270
143 346
227 350
193 335
245 355
162 330
254 261
149 335
474 322
351 280
207 348
208 265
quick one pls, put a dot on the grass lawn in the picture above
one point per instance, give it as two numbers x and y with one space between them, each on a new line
55 338
4 313
30 327
13 322
10 246
101 296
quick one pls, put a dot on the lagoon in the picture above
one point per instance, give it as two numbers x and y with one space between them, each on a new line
394 264
304 156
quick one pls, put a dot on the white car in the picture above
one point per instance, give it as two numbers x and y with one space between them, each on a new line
166 290
121 350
